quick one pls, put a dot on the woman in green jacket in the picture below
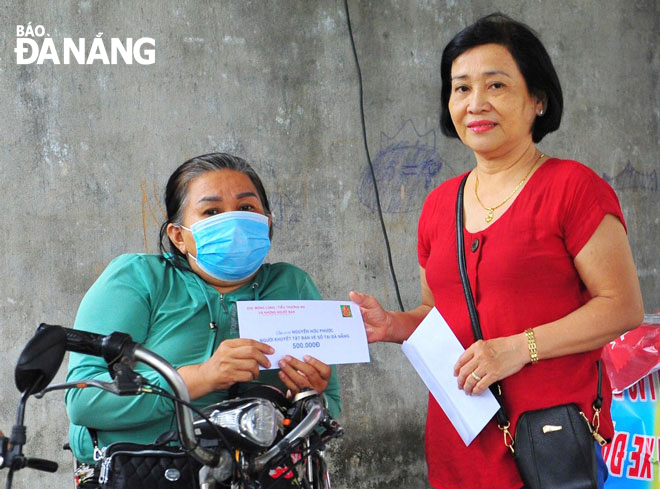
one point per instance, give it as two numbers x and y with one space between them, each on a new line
181 304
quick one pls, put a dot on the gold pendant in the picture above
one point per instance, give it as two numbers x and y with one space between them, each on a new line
489 217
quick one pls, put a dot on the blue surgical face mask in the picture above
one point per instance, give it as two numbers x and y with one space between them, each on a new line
231 246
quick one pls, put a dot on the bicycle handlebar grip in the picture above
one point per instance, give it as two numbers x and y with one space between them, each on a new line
110 347
84 342
41 464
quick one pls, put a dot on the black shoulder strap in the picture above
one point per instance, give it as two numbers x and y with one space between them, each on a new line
467 290
495 388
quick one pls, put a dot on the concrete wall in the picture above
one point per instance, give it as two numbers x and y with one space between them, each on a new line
87 150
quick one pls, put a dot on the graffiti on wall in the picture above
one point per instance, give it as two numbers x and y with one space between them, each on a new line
407 167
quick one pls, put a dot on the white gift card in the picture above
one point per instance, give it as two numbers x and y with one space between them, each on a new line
331 331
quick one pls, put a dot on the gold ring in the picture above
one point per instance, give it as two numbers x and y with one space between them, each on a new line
475 376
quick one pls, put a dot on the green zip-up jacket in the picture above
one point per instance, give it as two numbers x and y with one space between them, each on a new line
177 315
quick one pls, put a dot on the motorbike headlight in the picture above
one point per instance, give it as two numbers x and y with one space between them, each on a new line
256 421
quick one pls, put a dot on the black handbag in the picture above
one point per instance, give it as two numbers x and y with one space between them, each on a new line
554 447
126 465
133 466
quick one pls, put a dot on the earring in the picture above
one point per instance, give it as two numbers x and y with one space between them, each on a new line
541 112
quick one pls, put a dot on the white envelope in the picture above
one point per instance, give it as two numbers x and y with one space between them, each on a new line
331 331
433 350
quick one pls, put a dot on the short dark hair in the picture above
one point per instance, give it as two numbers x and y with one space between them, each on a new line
176 193
531 57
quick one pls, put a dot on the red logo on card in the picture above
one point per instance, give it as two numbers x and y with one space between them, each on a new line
346 311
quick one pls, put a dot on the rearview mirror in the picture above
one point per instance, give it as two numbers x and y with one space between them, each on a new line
40 359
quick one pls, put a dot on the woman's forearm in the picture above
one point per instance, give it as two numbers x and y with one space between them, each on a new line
192 378
589 327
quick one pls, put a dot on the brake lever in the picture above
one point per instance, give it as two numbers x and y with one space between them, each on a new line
116 387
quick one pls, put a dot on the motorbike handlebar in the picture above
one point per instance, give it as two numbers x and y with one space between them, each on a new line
184 415
121 347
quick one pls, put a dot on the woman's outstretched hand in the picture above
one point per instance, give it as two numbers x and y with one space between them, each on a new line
297 375
377 321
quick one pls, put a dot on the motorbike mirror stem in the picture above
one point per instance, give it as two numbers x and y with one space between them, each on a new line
18 431
11 449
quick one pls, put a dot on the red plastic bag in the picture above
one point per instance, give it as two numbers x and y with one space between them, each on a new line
634 355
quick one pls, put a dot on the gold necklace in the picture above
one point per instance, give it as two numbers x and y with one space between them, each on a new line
489 216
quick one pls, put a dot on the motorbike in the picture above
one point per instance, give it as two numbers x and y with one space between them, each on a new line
259 439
